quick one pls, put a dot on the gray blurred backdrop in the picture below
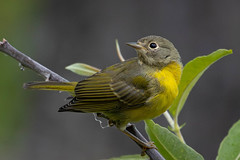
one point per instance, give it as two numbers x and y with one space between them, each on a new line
58 33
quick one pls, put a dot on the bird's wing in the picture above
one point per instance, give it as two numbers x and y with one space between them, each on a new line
104 92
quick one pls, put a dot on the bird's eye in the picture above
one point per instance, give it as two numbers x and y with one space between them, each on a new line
153 45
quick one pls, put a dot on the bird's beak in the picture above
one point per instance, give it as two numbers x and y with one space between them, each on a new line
134 45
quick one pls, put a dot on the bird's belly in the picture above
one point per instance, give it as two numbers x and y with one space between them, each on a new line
159 103
152 109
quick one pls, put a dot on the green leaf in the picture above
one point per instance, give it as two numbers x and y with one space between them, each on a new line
168 143
131 157
230 147
82 69
192 71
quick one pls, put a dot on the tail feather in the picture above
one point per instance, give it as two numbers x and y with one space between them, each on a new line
68 107
51 85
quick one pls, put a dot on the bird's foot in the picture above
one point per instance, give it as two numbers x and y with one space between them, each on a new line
147 145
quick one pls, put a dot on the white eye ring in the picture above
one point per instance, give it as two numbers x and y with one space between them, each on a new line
153 45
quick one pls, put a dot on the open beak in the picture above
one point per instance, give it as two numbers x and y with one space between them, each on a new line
134 45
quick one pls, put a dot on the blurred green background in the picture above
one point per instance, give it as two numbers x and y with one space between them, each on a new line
59 33
17 23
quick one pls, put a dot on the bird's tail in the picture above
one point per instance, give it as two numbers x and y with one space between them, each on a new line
51 85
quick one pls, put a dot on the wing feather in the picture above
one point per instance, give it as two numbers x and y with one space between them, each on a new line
108 91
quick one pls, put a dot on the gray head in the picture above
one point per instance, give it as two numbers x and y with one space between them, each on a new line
156 51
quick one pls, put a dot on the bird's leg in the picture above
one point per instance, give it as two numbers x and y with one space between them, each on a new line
102 115
144 144
110 122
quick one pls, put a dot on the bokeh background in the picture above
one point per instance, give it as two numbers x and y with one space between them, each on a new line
58 33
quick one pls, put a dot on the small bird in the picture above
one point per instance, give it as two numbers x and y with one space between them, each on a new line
137 89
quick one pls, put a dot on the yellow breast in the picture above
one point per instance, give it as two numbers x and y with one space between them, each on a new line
168 79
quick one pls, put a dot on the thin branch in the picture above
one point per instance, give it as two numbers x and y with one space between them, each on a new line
47 74
26 61
118 51
174 126
169 119
152 153
177 130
